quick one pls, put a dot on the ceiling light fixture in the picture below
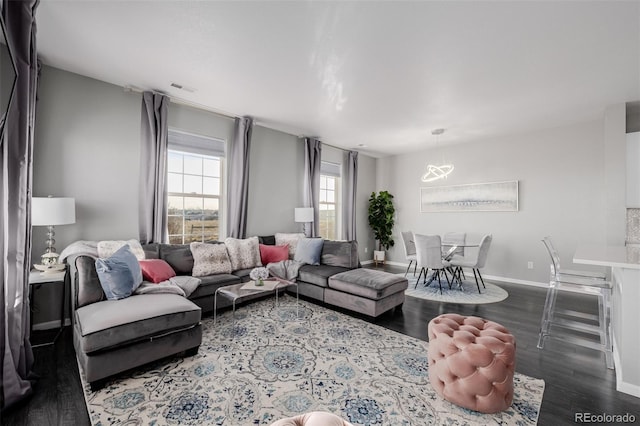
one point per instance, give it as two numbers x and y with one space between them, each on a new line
435 172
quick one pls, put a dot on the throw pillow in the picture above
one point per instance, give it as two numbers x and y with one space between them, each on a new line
210 259
244 254
156 270
290 239
270 254
108 248
120 274
309 250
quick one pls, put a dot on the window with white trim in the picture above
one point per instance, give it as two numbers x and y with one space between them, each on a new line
194 187
329 203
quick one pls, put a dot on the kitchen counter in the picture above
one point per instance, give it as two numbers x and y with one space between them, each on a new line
625 310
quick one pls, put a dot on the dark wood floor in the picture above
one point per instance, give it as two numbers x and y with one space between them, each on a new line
576 379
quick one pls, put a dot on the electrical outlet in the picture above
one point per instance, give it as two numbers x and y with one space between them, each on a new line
530 265
366 249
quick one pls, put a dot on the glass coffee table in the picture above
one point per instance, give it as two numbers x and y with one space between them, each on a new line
241 292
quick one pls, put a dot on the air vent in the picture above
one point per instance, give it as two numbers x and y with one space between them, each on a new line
181 87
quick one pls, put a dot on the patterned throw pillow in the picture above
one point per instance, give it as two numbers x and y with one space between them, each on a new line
108 248
244 254
209 259
291 240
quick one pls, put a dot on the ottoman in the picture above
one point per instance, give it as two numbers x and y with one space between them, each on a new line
471 362
366 291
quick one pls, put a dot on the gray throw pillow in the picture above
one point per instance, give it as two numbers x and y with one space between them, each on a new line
210 259
309 250
120 275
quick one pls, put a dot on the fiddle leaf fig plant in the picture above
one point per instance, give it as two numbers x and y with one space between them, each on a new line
381 213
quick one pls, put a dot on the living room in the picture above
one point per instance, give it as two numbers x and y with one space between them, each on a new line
571 185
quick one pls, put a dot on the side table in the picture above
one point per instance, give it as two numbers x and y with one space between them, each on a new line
38 279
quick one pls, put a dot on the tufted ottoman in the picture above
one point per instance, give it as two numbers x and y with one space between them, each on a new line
315 418
471 362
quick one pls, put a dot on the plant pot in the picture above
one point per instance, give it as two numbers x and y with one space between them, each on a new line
378 256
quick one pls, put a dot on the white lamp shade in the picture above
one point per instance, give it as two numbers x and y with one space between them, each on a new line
303 214
47 211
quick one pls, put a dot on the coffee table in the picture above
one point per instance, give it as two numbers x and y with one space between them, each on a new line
237 293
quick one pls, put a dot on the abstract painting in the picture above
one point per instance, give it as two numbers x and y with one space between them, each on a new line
492 196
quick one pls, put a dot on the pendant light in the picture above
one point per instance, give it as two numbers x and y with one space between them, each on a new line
436 172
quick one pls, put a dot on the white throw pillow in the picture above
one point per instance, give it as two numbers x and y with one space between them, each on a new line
244 254
108 248
291 240
209 259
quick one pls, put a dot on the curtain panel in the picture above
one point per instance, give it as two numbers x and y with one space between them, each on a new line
349 196
311 191
16 160
238 198
152 211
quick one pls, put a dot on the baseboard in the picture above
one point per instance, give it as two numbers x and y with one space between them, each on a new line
367 262
50 324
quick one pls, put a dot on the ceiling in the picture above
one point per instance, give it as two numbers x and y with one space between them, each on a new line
378 74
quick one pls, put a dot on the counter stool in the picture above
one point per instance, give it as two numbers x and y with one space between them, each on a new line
472 362
555 320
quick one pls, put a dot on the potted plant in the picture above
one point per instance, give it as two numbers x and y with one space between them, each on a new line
381 213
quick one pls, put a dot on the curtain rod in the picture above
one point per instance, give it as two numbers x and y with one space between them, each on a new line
180 101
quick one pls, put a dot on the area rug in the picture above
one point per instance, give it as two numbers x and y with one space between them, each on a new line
281 361
468 294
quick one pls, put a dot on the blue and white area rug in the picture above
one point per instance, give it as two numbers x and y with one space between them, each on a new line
276 366
468 294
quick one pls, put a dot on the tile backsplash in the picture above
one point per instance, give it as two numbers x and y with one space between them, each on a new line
633 226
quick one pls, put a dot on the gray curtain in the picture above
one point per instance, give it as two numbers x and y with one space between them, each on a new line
312 162
152 210
16 160
238 198
350 185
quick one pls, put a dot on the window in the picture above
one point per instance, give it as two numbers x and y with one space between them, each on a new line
194 188
329 205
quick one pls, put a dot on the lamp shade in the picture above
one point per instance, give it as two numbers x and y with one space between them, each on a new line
47 211
303 214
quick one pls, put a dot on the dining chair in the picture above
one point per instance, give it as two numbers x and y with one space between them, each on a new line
585 282
409 251
475 261
429 256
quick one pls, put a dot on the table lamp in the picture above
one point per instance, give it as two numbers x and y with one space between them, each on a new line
51 211
303 215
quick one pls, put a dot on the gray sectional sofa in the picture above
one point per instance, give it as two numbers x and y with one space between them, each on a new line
111 336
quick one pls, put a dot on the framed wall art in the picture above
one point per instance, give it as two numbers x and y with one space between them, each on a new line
485 197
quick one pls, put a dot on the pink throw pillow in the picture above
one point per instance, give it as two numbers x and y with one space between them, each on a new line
156 270
269 254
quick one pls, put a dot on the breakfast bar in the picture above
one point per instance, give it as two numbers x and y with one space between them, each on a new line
624 262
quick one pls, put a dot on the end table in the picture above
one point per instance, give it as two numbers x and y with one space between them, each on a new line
37 279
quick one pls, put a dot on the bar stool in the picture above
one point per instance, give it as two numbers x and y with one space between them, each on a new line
568 319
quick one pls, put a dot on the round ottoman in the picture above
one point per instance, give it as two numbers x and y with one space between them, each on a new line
471 362
314 418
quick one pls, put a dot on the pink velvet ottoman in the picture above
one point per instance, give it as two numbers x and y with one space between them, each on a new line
471 362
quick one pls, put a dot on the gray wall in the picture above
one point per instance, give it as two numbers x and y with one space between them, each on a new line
87 147
561 193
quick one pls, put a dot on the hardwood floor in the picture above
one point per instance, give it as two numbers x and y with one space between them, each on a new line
576 379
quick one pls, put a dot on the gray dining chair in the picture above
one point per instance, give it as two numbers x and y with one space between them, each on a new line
475 262
409 251
429 256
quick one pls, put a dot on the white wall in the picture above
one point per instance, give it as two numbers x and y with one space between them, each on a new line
561 193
